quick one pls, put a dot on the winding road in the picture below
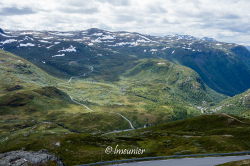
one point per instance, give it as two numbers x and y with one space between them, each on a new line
73 100
69 81
130 123
76 102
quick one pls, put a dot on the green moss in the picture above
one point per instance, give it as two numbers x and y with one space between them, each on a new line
188 136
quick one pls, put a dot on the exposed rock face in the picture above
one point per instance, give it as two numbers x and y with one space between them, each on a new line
25 158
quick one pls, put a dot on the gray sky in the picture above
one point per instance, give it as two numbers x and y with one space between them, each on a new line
225 20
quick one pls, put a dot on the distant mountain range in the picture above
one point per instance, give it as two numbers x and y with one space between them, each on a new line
222 66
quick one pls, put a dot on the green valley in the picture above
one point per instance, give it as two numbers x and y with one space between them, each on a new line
75 97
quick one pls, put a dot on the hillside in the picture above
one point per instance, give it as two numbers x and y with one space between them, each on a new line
37 112
214 65
166 82
74 93
17 73
203 134
224 67
124 82
238 105
29 96
32 96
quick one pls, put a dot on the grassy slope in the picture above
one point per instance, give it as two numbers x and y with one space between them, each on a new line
238 105
203 134
107 98
35 115
166 82
17 71
29 96
149 93
223 68
23 99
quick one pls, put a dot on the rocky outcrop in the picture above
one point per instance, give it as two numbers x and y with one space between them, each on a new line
27 158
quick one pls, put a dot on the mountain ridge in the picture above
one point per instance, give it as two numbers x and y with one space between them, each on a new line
224 67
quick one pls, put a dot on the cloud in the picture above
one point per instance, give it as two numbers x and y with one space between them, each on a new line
123 18
79 10
156 9
9 11
116 2
225 20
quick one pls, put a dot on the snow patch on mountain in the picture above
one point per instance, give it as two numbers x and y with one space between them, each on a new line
4 35
97 34
44 41
8 41
145 38
165 48
28 38
108 37
61 34
96 40
127 44
58 55
153 50
70 49
48 38
49 46
27 45
142 41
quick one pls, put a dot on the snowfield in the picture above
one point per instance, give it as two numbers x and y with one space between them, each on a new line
8 41
58 55
70 49
27 45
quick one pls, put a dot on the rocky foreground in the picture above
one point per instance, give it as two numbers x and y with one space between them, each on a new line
27 158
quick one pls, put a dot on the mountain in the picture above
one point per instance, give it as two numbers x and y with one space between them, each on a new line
237 105
75 99
33 97
164 81
224 67
29 96
69 58
18 72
